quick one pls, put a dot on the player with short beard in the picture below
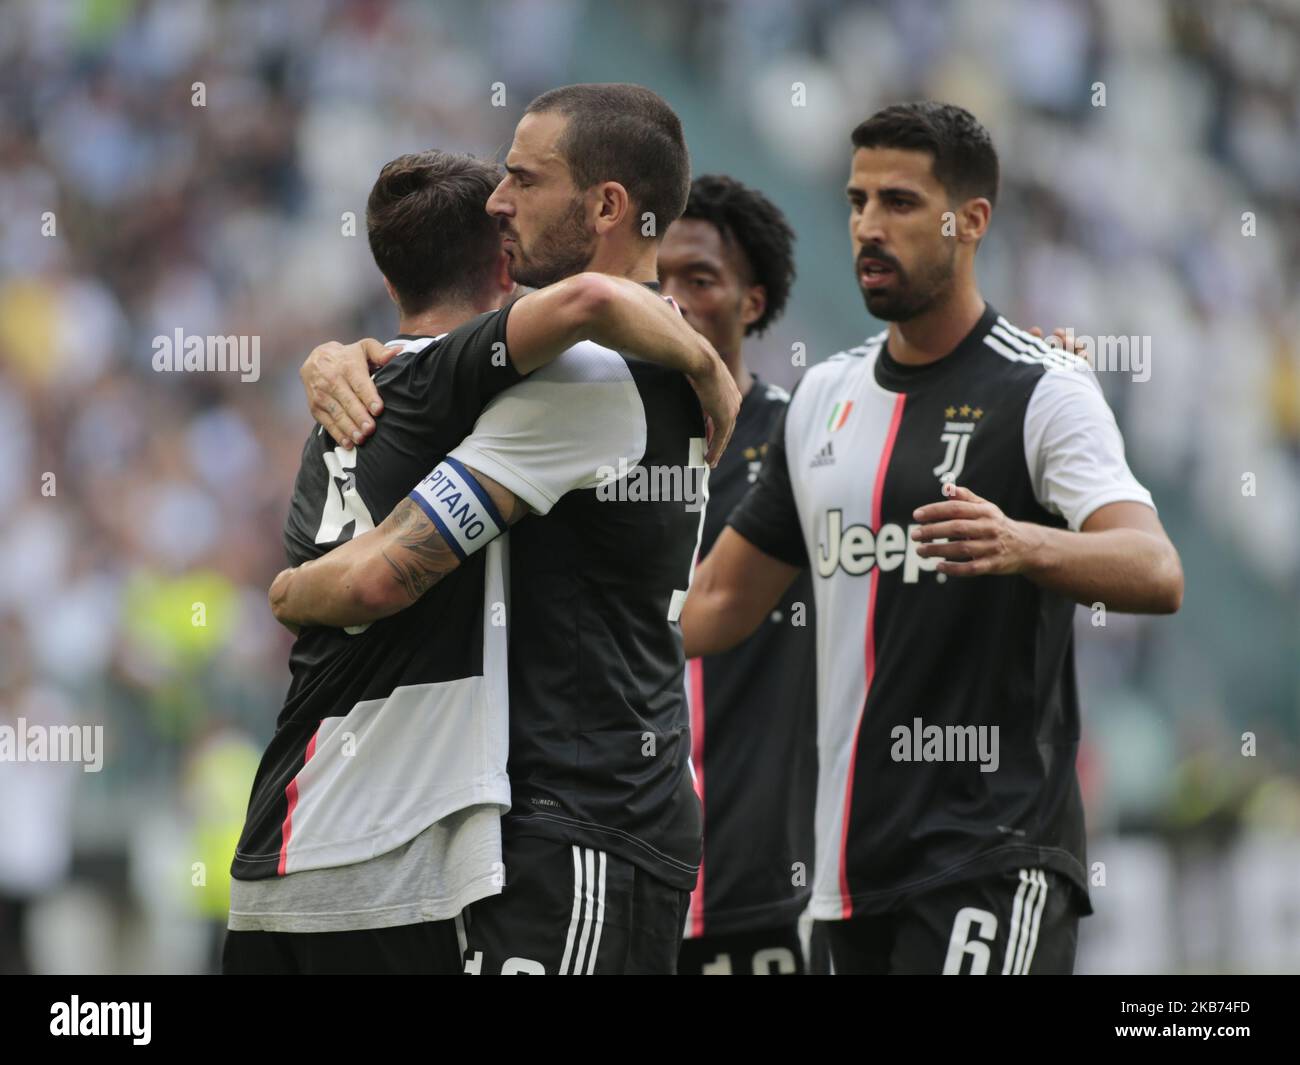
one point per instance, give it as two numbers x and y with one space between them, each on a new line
955 613
602 841
375 813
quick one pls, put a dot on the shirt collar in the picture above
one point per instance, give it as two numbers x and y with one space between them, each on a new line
897 377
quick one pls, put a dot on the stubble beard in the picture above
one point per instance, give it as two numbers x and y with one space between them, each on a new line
561 251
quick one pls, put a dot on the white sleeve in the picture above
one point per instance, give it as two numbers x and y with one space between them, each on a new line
564 427
1074 449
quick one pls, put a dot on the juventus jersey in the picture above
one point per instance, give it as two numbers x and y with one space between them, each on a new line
611 449
388 728
948 718
753 728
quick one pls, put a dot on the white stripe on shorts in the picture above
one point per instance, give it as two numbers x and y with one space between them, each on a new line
1013 929
577 909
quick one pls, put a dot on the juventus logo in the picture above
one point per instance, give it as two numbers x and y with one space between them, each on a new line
956 437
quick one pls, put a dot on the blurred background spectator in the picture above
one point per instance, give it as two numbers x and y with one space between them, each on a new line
203 166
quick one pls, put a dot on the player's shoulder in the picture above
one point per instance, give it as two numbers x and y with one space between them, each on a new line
850 360
413 345
415 351
1017 352
767 395
762 408
483 334
831 372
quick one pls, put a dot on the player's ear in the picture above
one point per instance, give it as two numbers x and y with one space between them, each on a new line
753 304
612 206
974 218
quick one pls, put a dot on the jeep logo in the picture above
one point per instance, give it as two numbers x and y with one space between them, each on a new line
856 549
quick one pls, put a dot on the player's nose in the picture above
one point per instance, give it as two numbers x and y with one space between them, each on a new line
498 204
867 229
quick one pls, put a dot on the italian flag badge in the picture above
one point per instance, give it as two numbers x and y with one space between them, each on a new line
839 415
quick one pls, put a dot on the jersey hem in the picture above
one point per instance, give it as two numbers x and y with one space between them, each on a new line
332 854
831 908
406 913
757 918
612 840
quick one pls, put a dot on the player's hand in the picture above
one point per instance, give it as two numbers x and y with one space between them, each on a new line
982 540
720 399
340 394
1066 339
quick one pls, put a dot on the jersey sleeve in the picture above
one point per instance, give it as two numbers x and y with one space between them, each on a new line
563 428
767 517
1074 450
468 368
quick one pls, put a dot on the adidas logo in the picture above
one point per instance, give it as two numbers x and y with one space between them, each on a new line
825 457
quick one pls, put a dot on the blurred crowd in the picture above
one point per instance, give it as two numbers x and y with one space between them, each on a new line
203 166
1151 186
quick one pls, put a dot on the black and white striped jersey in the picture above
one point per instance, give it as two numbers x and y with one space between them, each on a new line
948 717
388 728
611 450
753 728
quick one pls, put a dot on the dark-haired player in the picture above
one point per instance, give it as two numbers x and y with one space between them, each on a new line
602 841
949 826
729 263
374 818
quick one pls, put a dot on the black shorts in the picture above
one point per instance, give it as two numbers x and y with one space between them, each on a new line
426 949
571 910
1017 922
769 952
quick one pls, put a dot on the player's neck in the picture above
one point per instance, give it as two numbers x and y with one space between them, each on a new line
636 260
933 335
735 362
438 319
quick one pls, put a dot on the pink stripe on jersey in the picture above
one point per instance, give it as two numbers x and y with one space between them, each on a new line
876 498
291 793
695 678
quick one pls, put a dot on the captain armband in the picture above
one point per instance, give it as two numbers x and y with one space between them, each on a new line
458 506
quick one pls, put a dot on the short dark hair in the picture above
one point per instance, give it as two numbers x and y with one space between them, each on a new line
628 134
756 224
965 161
429 229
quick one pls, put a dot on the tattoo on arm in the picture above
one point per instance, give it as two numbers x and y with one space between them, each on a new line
417 554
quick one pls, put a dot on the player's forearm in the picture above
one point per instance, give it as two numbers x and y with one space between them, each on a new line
629 317
611 311
722 611
733 590
343 588
714 621
1129 570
